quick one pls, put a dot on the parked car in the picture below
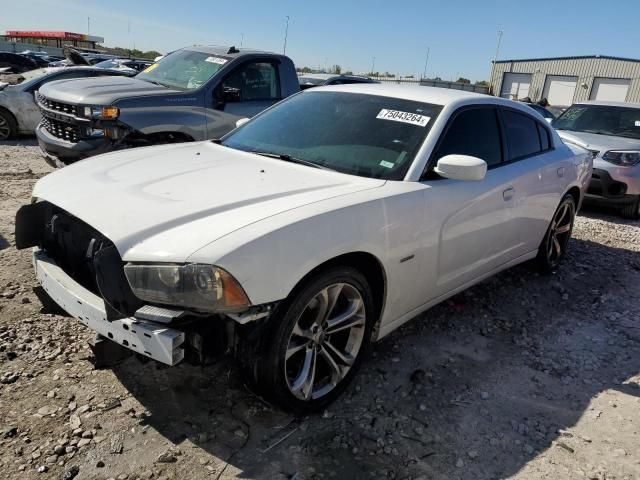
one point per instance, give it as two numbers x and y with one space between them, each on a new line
195 93
309 80
294 245
15 63
611 130
547 115
128 64
19 113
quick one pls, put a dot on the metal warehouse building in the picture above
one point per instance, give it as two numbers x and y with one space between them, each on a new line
567 80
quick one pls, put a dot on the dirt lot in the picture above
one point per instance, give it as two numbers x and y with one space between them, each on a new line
523 376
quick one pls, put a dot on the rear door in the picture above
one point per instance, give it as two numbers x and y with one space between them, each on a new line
515 85
477 230
538 174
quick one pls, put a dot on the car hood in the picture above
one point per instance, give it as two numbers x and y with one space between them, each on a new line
601 143
164 203
102 90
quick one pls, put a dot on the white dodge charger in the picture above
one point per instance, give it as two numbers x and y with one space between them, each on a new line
320 225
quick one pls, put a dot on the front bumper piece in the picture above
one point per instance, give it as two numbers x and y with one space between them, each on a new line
147 338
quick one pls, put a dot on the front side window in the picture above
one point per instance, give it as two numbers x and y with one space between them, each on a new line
254 81
473 132
366 135
184 69
601 120
522 134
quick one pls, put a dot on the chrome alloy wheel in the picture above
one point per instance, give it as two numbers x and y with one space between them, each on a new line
325 341
5 129
559 233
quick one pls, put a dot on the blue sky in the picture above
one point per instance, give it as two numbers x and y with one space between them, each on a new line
461 34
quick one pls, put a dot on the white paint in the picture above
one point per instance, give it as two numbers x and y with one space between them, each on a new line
269 222
515 86
559 90
610 89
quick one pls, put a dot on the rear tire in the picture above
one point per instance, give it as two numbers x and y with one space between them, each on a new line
554 244
632 211
8 125
314 342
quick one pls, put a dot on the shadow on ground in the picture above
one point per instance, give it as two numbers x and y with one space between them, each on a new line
475 388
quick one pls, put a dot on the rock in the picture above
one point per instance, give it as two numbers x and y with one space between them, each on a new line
472 454
51 459
70 449
59 450
42 469
484 395
147 475
100 464
74 422
166 457
47 410
460 463
71 473
87 434
83 442
203 437
117 444
10 432
51 394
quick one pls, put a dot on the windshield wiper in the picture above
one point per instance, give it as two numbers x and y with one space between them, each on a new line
288 158
153 81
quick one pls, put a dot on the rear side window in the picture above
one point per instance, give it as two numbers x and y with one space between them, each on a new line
473 132
522 135
545 141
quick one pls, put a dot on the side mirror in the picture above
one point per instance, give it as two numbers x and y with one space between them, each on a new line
461 167
241 122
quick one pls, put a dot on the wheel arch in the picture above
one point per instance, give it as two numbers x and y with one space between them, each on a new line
574 191
12 116
367 264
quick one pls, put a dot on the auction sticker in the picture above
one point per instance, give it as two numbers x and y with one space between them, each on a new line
404 117
218 60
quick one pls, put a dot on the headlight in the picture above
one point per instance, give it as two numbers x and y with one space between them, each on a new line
102 113
626 158
196 286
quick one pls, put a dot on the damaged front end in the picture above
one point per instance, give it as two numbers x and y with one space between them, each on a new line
83 272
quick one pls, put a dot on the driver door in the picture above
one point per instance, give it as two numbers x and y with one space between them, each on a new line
476 218
243 93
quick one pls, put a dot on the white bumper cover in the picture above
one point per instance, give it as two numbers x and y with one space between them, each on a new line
147 338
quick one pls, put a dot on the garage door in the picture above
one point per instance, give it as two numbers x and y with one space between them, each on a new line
559 90
610 89
515 85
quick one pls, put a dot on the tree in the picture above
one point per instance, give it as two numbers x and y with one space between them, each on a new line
463 80
482 83
336 69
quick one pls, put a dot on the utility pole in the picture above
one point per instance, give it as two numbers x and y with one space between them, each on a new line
500 32
88 26
426 62
286 32
241 39
373 65
129 34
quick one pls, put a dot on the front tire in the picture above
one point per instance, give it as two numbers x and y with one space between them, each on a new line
315 342
632 211
8 125
554 244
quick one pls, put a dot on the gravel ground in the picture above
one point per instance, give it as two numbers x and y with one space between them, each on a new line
523 376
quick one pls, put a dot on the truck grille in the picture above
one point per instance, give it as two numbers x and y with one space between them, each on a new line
57 106
62 130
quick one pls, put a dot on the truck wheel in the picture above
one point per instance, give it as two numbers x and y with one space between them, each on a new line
554 244
8 125
632 211
317 340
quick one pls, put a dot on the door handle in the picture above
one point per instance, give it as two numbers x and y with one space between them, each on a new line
561 172
508 193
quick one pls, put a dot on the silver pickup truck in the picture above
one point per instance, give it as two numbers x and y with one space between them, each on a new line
195 93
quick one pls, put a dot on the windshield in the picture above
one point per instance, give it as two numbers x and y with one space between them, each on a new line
365 135
184 69
33 76
601 119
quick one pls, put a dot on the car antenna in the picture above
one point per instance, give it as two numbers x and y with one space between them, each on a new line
233 50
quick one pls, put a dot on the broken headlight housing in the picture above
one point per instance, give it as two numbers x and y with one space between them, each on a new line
194 286
625 158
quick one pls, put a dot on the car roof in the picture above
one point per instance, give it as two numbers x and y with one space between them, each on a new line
223 51
434 95
609 104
